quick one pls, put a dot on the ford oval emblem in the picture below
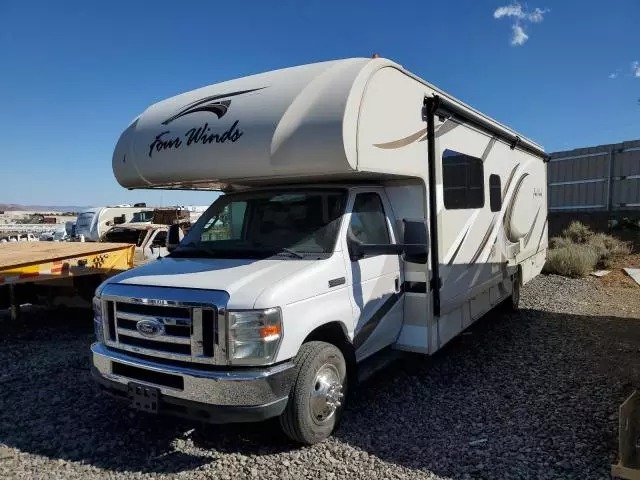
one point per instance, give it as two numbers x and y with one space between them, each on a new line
150 327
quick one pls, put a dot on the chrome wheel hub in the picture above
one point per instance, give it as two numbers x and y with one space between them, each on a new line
326 393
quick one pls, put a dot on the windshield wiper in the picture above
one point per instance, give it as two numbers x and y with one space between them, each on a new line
280 249
292 252
194 246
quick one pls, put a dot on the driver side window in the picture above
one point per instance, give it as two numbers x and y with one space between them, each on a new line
368 221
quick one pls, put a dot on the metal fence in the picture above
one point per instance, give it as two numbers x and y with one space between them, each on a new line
29 227
605 178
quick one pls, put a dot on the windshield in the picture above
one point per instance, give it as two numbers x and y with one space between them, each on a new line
125 235
142 217
84 220
293 223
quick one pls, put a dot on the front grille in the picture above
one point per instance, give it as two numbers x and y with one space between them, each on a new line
189 332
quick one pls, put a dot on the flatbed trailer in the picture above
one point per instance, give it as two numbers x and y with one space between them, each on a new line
52 264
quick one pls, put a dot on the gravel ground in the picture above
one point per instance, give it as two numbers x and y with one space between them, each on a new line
528 395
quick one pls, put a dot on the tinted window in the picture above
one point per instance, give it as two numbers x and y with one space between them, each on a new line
160 239
495 193
463 181
125 235
368 221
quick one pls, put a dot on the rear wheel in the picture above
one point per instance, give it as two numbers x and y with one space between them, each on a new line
317 396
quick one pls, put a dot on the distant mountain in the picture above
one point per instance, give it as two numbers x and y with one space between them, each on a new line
8 207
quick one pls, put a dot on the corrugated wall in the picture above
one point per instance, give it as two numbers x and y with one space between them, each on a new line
605 178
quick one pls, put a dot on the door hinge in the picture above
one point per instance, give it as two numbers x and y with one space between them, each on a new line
435 283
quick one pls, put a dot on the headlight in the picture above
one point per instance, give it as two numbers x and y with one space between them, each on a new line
254 335
98 326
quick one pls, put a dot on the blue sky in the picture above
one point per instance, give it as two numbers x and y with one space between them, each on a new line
73 74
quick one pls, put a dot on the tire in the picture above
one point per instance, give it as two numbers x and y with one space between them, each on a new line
310 416
514 300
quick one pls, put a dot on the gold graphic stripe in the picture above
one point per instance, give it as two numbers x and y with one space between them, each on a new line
403 142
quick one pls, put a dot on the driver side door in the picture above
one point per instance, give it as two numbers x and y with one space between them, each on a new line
375 281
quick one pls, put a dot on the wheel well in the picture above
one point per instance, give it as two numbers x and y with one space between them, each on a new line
335 334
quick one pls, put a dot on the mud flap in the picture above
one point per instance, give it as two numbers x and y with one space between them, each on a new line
629 439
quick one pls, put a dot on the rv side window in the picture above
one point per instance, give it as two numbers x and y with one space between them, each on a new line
368 221
495 193
463 181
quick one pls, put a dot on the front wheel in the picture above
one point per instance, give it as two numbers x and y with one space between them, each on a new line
317 396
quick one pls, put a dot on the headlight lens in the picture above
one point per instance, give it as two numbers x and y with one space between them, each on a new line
98 326
254 335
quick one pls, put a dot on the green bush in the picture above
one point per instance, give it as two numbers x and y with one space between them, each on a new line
571 261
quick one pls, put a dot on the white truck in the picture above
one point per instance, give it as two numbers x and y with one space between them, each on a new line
365 210
150 239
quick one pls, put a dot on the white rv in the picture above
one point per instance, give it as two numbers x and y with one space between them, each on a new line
365 210
94 222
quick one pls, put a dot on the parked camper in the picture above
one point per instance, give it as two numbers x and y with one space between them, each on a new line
70 228
145 216
150 240
365 210
94 222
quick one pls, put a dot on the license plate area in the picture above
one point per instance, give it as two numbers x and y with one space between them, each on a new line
143 398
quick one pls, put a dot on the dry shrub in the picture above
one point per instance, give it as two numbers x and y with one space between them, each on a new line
571 261
617 247
559 242
598 244
578 251
577 232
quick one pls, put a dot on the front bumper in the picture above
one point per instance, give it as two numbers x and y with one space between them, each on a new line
216 396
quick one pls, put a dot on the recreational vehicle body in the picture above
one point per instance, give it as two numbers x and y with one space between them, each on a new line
365 210
94 222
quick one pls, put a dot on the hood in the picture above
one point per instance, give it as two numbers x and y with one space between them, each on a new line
243 280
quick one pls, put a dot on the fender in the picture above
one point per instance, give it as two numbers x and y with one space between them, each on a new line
303 317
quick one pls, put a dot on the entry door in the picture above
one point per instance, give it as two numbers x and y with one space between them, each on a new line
376 283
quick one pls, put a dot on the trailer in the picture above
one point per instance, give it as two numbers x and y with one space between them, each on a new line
32 269
365 211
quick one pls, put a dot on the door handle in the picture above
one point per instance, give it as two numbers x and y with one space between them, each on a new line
397 284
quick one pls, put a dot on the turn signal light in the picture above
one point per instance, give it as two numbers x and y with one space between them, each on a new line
270 331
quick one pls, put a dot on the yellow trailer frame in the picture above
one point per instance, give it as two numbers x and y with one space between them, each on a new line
29 262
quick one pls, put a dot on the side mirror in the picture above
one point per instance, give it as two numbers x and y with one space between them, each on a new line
416 241
174 237
414 249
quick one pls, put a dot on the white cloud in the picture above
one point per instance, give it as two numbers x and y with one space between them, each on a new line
514 10
537 15
635 69
520 18
613 75
519 37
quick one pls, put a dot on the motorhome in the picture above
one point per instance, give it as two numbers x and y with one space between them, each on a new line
94 222
364 210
